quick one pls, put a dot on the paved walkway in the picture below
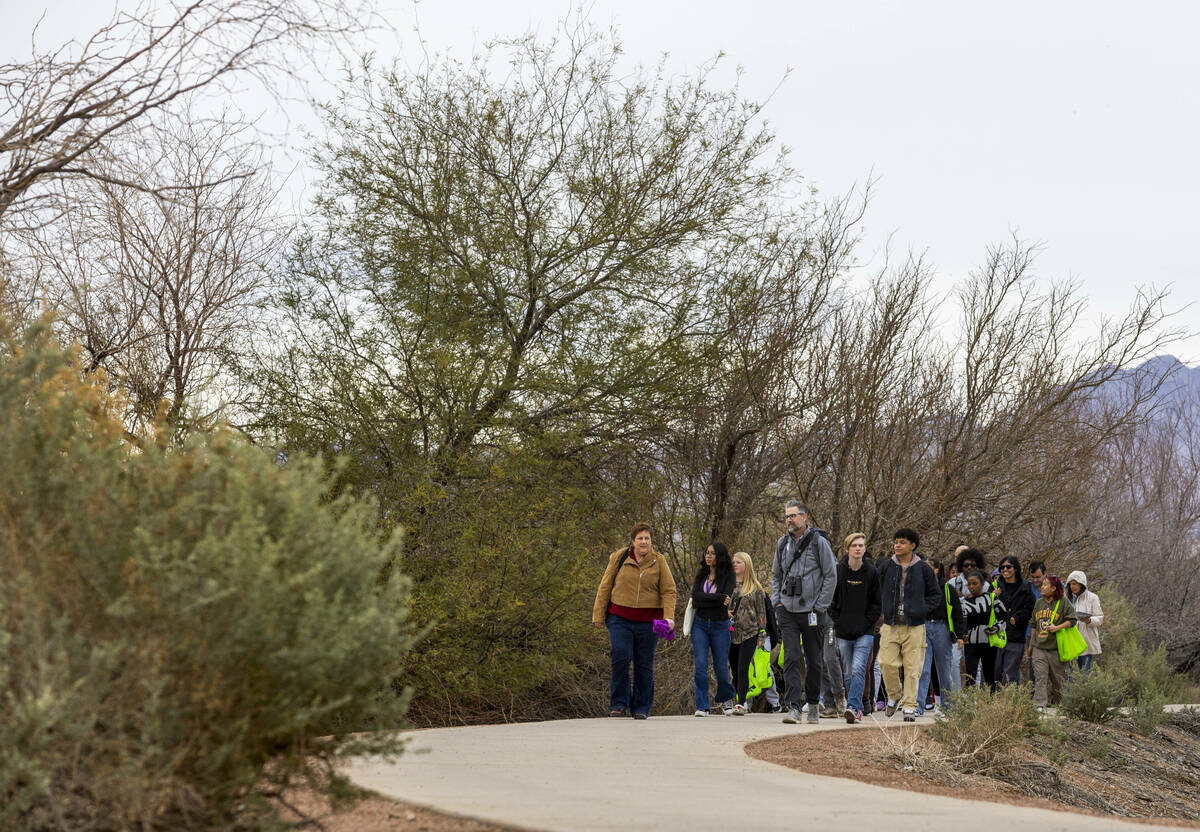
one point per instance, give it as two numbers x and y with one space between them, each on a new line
665 773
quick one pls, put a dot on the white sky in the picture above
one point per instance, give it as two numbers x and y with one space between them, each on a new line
1071 123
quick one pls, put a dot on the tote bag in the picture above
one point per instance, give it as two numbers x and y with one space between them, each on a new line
1070 641
689 615
999 638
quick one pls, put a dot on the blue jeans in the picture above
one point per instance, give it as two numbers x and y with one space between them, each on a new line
854 653
631 641
1085 663
711 636
939 647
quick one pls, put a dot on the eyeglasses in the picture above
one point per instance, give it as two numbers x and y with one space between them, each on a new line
792 516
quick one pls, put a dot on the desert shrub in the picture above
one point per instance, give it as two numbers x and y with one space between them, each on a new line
1148 712
1139 671
1098 748
182 631
1092 697
979 729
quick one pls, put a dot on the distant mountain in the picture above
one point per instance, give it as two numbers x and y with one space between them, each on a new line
1181 387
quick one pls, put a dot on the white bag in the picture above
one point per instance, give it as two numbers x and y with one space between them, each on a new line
689 615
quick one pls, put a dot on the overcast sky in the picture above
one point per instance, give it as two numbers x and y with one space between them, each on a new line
1075 124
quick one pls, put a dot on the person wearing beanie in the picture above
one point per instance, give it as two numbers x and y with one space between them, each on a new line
1091 616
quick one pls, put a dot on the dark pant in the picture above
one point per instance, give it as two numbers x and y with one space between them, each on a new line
833 688
740 657
1008 663
803 678
631 641
980 654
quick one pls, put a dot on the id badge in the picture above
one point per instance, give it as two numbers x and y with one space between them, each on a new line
812 619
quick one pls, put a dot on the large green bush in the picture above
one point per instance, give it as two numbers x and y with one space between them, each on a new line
980 729
182 632
1092 697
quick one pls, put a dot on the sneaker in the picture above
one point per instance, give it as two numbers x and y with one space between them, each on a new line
739 710
700 713
812 714
727 707
793 716
618 712
880 705
858 716
828 711
890 710
640 716
910 716
1041 709
850 716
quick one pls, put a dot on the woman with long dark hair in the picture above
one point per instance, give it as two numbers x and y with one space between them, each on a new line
1018 601
637 588
712 592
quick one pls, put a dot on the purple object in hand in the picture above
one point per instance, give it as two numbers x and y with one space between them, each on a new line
662 629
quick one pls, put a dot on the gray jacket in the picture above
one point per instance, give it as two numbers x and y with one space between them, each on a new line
817 571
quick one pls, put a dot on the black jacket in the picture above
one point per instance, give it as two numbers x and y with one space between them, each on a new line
711 605
922 595
855 609
959 623
1018 600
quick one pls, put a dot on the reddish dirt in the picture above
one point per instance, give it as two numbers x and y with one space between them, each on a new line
859 755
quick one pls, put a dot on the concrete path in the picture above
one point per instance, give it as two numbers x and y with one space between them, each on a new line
666 773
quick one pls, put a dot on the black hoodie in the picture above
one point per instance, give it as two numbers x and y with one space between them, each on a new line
856 606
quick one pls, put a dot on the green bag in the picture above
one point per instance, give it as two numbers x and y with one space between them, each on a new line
760 671
997 639
1070 641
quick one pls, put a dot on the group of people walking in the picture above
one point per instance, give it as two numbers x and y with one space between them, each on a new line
849 634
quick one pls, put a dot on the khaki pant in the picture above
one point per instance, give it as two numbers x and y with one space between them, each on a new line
1049 676
902 646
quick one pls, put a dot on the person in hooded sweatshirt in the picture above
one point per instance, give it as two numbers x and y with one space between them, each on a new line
1091 616
855 609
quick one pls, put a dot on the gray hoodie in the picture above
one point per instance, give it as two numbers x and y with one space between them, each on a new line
817 571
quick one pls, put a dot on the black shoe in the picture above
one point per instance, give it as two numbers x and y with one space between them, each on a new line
910 716
618 712
639 716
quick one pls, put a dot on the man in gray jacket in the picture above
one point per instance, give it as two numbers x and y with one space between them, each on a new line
803 579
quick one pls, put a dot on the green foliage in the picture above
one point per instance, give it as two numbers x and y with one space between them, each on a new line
1098 748
1139 671
180 630
1148 712
980 729
1092 697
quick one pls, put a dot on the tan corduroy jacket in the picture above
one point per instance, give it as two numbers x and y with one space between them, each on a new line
645 584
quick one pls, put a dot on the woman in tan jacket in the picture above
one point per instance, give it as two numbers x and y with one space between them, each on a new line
637 588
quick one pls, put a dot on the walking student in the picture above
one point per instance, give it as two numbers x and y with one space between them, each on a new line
803 578
943 631
637 588
749 610
1091 616
1018 603
855 609
909 595
1051 613
984 615
712 592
